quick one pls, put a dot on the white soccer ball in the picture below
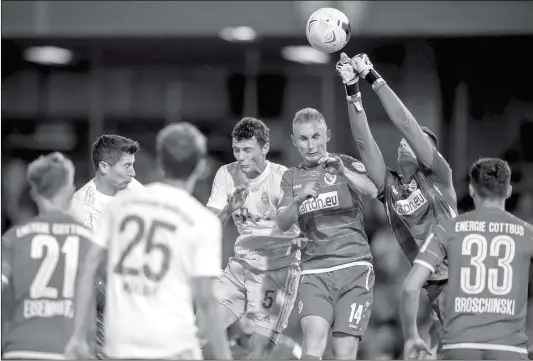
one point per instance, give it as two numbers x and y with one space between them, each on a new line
328 30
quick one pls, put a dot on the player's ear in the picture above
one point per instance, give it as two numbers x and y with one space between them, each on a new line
471 191
265 149
509 192
293 141
328 135
201 170
104 167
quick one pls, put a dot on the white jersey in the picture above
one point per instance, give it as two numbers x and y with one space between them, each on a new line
158 240
260 243
88 203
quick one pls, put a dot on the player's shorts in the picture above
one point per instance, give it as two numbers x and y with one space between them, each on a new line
475 354
266 297
343 297
437 293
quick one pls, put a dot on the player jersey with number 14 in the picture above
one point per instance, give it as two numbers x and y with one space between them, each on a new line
488 252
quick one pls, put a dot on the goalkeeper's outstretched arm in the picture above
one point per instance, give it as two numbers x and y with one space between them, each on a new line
397 111
366 145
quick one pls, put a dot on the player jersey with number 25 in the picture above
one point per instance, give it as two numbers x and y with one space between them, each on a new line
260 243
489 252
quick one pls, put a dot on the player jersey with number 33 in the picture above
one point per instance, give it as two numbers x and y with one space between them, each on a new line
488 252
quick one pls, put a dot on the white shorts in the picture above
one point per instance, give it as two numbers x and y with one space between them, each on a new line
266 297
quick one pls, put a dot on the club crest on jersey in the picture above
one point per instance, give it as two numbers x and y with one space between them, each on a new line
330 178
412 186
410 205
358 166
90 220
323 201
264 199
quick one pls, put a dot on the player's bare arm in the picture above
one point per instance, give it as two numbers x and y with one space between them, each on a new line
358 182
85 293
6 262
235 201
366 145
212 326
288 214
396 110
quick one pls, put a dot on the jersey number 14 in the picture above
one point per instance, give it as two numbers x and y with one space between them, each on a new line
483 276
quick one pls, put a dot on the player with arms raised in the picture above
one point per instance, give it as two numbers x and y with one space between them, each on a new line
488 252
40 260
261 280
323 196
113 157
418 196
163 248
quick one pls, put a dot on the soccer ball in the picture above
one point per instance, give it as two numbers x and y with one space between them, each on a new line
328 30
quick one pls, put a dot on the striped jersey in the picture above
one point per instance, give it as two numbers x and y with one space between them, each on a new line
414 209
260 243
489 252
332 222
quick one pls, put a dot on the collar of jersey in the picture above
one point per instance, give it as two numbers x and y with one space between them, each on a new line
261 177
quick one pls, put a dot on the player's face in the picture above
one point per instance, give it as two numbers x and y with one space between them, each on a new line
311 138
122 172
250 155
405 153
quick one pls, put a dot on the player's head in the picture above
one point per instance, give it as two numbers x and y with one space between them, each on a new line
310 134
490 179
405 152
181 151
251 143
51 178
113 158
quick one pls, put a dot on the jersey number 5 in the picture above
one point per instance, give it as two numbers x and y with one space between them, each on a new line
481 273
39 286
150 246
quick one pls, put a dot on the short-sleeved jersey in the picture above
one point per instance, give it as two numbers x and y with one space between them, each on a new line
414 209
158 239
88 203
40 260
260 243
488 252
332 222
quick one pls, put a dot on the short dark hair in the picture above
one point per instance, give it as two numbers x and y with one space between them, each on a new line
110 148
491 177
48 174
249 127
307 115
180 147
431 135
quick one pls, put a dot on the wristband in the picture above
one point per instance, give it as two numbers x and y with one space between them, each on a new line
374 79
356 100
351 89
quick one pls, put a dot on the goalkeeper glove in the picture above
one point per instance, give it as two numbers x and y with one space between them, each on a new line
361 63
348 74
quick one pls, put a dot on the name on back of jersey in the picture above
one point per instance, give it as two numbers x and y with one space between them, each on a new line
493 227
323 201
48 308
502 306
410 205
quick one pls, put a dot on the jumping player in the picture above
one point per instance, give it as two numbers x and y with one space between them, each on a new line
261 280
40 259
113 157
488 252
163 247
418 196
323 196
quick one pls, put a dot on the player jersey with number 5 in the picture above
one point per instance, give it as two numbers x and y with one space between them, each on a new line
488 253
158 239
40 260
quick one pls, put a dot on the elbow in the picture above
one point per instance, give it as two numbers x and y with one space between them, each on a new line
373 191
409 289
282 225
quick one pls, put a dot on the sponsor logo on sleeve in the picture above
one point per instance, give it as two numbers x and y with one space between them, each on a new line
358 166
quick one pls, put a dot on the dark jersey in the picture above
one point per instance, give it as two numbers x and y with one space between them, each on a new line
414 209
489 253
333 222
40 259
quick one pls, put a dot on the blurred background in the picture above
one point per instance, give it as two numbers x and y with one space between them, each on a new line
73 70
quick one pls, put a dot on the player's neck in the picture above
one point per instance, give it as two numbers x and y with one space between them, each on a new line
407 171
46 207
186 185
489 204
104 188
260 169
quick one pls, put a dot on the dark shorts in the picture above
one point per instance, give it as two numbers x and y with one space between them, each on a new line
471 354
342 297
437 292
